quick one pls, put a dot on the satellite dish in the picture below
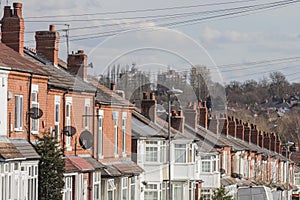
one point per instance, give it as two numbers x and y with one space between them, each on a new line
69 130
86 140
35 113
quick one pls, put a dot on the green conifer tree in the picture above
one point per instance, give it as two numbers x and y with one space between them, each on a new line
221 194
51 168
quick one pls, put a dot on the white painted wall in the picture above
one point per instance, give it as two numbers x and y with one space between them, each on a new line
3 102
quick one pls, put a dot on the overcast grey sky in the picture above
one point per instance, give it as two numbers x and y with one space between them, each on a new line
265 35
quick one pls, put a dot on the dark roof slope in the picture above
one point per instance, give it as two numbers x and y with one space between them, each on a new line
59 78
25 148
12 59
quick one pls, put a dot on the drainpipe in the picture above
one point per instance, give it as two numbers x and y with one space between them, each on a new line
28 109
93 125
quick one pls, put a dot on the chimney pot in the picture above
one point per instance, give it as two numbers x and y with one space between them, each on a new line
180 113
17 9
173 113
7 11
52 28
80 52
112 86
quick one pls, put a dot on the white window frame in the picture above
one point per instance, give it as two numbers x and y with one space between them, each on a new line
111 188
68 188
34 104
97 183
181 153
206 194
208 164
56 133
68 121
179 195
87 114
19 109
124 188
124 121
152 188
33 182
115 121
100 133
133 188
152 151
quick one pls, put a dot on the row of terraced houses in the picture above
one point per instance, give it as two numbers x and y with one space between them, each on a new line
112 149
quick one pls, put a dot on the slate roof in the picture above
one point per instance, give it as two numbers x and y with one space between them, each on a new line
107 96
82 164
128 168
59 77
110 171
13 60
25 148
9 151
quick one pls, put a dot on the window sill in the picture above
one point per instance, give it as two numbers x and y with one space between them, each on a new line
18 130
116 155
124 155
69 148
34 132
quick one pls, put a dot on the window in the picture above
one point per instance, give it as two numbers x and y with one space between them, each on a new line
151 192
68 188
124 116
97 185
208 164
68 121
115 118
124 188
100 133
111 190
56 117
180 153
177 191
152 151
132 188
87 114
32 182
206 194
34 104
297 179
18 112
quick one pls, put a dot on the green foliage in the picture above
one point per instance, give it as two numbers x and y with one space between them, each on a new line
221 194
51 168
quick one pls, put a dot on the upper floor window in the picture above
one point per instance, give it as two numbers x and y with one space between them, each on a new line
34 104
56 117
68 121
115 119
180 153
87 114
100 133
124 117
155 151
18 112
208 163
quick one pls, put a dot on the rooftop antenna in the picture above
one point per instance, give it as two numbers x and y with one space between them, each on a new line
66 30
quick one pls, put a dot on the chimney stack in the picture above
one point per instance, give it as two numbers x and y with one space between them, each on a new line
247 132
47 44
261 139
254 135
148 106
12 28
267 141
232 127
203 114
239 129
213 124
190 114
177 120
273 141
77 64
223 123
278 145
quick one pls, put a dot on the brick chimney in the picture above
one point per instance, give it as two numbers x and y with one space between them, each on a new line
148 106
191 115
254 135
261 139
247 132
273 141
267 140
13 28
203 114
177 120
232 126
278 145
223 123
77 64
213 124
239 129
47 44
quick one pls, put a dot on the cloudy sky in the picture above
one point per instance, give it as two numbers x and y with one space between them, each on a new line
187 33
